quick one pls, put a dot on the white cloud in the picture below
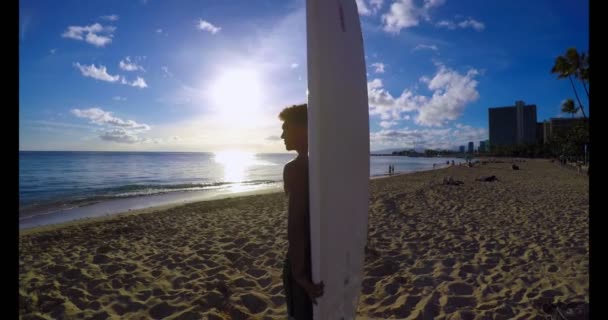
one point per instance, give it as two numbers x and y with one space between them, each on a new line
433 3
119 98
115 129
140 83
405 14
112 17
451 93
424 46
294 65
473 24
388 124
100 73
128 65
379 67
446 24
469 23
372 9
159 30
444 138
120 135
91 34
382 103
166 72
376 4
100 117
207 26
98 41
53 50
466 133
362 8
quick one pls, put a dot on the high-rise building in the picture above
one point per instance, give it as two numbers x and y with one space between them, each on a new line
546 131
513 124
471 147
540 136
462 148
562 124
482 146
557 125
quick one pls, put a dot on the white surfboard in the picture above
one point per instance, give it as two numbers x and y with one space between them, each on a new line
338 130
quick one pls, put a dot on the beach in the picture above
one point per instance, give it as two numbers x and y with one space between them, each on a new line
476 250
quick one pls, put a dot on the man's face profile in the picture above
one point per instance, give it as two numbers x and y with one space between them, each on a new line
293 136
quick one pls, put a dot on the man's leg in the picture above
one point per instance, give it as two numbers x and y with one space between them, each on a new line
287 287
302 306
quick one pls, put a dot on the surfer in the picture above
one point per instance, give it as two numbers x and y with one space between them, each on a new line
300 291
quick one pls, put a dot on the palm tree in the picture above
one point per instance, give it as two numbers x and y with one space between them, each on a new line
573 65
568 107
583 74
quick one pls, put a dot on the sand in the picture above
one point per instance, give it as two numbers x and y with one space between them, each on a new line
477 250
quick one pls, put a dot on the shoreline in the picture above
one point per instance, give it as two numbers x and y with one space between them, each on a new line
110 208
114 207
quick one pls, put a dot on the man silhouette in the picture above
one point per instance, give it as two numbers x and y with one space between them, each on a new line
300 291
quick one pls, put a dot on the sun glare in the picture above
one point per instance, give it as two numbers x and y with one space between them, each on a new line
237 94
235 164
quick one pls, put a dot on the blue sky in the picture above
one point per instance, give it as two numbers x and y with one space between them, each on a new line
153 75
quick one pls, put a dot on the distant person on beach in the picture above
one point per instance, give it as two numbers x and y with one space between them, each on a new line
300 291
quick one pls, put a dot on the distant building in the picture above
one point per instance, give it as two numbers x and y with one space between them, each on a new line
540 132
546 131
482 146
563 124
471 147
557 125
462 149
513 125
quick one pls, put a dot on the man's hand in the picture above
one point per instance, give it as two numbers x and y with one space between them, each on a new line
314 290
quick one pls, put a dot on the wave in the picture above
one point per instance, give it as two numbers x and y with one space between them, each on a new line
126 191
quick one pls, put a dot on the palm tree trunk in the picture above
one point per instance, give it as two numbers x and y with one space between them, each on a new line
585 86
580 105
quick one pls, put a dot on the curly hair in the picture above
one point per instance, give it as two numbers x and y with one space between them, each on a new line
296 114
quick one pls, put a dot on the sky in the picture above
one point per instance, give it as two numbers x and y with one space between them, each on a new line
208 76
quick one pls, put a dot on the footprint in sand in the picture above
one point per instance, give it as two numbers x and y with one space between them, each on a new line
254 303
459 288
407 307
391 288
162 310
256 273
453 303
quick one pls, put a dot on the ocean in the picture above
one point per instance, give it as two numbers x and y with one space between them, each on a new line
51 182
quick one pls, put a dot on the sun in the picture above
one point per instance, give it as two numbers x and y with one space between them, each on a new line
237 95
